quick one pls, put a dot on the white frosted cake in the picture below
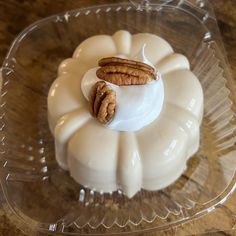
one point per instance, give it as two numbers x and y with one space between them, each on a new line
125 112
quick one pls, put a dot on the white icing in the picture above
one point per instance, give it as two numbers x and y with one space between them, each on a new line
140 56
144 101
105 159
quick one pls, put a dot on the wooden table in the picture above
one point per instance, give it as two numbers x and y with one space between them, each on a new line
15 15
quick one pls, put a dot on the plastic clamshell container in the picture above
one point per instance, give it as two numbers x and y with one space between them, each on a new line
39 197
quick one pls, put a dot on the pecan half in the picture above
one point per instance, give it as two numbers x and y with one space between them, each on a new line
102 102
121 71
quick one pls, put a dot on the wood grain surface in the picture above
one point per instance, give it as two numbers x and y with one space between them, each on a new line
15 15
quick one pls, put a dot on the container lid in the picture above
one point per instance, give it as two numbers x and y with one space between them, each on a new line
146 4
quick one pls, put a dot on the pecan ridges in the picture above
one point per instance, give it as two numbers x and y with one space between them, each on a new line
125 72
102 102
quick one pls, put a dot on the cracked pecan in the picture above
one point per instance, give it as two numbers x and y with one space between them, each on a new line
121 71
102 102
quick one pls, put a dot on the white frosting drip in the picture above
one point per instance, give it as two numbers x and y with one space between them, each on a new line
144 101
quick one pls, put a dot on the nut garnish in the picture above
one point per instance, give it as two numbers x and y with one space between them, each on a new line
125 72
102 102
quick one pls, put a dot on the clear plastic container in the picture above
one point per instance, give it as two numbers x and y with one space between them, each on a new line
38 196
